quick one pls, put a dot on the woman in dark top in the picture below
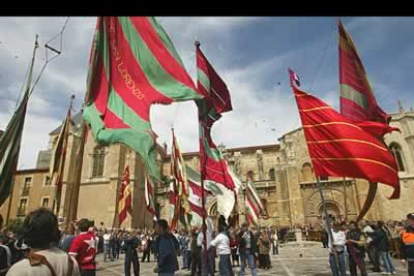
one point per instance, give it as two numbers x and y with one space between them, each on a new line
384 247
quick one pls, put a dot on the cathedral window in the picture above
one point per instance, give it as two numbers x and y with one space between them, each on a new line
272 174
98 163
398 155
307 171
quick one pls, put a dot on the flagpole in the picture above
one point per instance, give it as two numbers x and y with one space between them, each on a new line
328 223
74 197
36 45
203 201
55 204
345 199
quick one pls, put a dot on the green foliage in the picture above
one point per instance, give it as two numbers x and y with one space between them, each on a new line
15 225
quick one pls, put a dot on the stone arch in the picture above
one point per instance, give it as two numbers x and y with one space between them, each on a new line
332 209
334 196
212 208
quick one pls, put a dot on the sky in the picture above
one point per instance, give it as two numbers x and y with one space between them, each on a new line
251 54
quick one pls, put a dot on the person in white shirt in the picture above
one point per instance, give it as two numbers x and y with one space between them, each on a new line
275 243
209 266
336 251
222 244
107 248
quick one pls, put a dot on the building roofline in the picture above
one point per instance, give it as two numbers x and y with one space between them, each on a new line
33 170
290 132
261 147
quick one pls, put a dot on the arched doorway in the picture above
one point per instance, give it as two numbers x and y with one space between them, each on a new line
212 211
332 209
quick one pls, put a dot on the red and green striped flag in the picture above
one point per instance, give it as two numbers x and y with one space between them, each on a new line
357 98
133 65
254 205
213 166
57 166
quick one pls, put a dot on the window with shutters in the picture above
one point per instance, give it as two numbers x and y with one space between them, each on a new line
21 210
98 164
398 155
26 186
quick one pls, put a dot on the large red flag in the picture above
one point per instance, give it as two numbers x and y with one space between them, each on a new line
339 147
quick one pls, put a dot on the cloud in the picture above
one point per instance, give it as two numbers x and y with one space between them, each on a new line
250 53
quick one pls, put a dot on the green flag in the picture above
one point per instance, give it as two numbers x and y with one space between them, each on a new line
11 139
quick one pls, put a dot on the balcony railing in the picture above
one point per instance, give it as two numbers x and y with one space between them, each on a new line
25 191
21 211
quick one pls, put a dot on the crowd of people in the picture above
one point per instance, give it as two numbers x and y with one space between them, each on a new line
351 242
42 249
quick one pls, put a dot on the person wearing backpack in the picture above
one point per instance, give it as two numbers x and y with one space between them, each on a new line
42 235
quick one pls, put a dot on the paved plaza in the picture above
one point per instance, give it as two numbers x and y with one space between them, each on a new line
292 261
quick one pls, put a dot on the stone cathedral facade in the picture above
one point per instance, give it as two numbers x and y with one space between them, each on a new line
282 173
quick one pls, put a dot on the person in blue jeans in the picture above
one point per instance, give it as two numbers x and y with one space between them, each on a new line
247 249
131 244
184 242
337 250
222 245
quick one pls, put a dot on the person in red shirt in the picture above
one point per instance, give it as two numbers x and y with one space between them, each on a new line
83 248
